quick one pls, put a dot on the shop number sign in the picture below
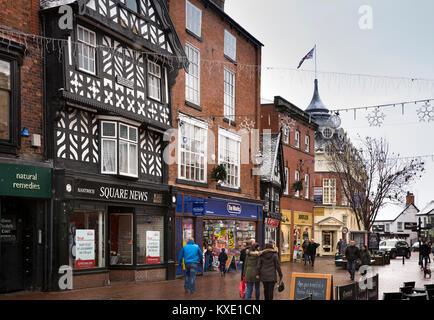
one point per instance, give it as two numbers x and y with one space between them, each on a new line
152 247
84 248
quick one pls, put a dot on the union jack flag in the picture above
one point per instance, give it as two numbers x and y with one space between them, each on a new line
308 56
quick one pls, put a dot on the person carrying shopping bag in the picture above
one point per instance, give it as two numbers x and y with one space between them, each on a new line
251 262
268 266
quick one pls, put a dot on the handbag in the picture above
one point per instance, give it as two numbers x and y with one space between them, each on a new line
242 287
281 287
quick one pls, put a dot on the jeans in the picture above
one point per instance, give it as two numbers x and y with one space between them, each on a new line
306 258
312 259
223 268
424 261
190 276
351 267
268 290
249 290
207 263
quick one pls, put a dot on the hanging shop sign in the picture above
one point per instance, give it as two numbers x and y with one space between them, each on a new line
102 191
272 222
25 181
152 247
84 248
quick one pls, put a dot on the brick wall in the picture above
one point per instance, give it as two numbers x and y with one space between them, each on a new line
247 86
22 15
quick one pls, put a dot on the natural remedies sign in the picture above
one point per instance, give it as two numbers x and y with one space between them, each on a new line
25 181
152 247
84 249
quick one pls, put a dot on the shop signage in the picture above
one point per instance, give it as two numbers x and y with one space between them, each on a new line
84 248
302 218
198 208
272 222
317 195
231 208
410 225
318 285
378 228
234 208
102 191
355 291
373 241
25 181
347 292
8 229
152 247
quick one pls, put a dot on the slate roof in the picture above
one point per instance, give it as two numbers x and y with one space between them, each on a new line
428 210
390 211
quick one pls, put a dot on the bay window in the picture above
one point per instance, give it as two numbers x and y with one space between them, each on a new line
229 156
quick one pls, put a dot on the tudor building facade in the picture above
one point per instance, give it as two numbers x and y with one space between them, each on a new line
108 92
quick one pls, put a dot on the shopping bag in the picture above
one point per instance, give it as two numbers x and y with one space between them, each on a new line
242 288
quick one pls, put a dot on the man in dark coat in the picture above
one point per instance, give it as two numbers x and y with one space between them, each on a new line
223 257
352 253
305 247
268 266
424 252
311 249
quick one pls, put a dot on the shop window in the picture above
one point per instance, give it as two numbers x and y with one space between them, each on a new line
87 239
285 239
192 77
187 230
154 80
229 156
119 143
150 239
193 150
86 49
121 239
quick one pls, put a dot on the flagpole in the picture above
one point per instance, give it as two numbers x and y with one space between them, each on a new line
315 62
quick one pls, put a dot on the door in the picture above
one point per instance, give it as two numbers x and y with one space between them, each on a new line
12 252
327 241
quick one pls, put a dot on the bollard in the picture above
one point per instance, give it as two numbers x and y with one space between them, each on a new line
403 260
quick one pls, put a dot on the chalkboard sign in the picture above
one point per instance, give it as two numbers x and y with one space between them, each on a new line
361 293
347 292
373 241
318 285
373 291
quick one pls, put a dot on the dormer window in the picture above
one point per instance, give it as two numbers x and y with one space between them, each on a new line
86 49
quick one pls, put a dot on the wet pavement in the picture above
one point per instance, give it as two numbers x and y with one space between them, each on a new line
212 286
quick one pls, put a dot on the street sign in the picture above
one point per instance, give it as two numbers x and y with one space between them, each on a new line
344 230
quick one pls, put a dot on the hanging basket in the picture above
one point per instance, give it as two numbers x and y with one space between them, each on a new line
219 173
297 185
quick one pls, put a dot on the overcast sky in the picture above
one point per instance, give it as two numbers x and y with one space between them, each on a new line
400 44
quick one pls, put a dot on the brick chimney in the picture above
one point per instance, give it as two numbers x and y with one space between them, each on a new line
409 198
220 3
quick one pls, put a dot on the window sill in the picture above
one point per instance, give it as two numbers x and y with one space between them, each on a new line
191 33
193 105
192 183
9 149
229 189
231 60
231 122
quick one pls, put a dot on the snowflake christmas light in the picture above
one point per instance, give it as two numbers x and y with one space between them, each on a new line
376 118
426 112
247 124
288 123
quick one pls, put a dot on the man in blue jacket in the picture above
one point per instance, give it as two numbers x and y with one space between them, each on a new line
192 255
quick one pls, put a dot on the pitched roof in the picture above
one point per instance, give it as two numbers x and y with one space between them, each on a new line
390 211
429 209
332 220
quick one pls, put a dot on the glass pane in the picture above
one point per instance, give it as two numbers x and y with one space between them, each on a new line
4 115
123 131
132 4
121 239
109 156
109 129
150 239
133 134
5 74
133 159
123 157
87 240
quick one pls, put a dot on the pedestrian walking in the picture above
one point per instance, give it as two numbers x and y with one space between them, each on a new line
339 246
208 258
192 256
352 253
223 257
429 251
305 247
365 258
247 246
424 253
311 249
251 263
268 266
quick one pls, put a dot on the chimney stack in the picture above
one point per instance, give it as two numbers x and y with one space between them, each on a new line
409 198
220 4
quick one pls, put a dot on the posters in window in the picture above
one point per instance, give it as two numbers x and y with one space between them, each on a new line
152 247
84 248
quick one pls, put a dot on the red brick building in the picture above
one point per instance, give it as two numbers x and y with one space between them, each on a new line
298 132
212 102
25 176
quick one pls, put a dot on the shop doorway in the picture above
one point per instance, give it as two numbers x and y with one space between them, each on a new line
16 245
121 236
328 241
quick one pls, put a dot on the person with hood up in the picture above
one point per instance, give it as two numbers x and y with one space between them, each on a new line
251 262
268 266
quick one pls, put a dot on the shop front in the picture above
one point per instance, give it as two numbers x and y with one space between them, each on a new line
285 236
302 231
117 232
272 228
25 193
220 223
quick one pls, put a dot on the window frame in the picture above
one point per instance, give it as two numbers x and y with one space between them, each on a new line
297 178
189 46
286 191
306 184
129 142
307 143
222 132
232 97
331 191
115 139
188 26
286 134
229 43
202 126
297 139
149 75
83 42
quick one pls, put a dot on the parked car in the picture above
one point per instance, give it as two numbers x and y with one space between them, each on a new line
395 248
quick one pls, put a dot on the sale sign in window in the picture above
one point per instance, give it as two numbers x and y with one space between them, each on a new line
152 247
84 249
